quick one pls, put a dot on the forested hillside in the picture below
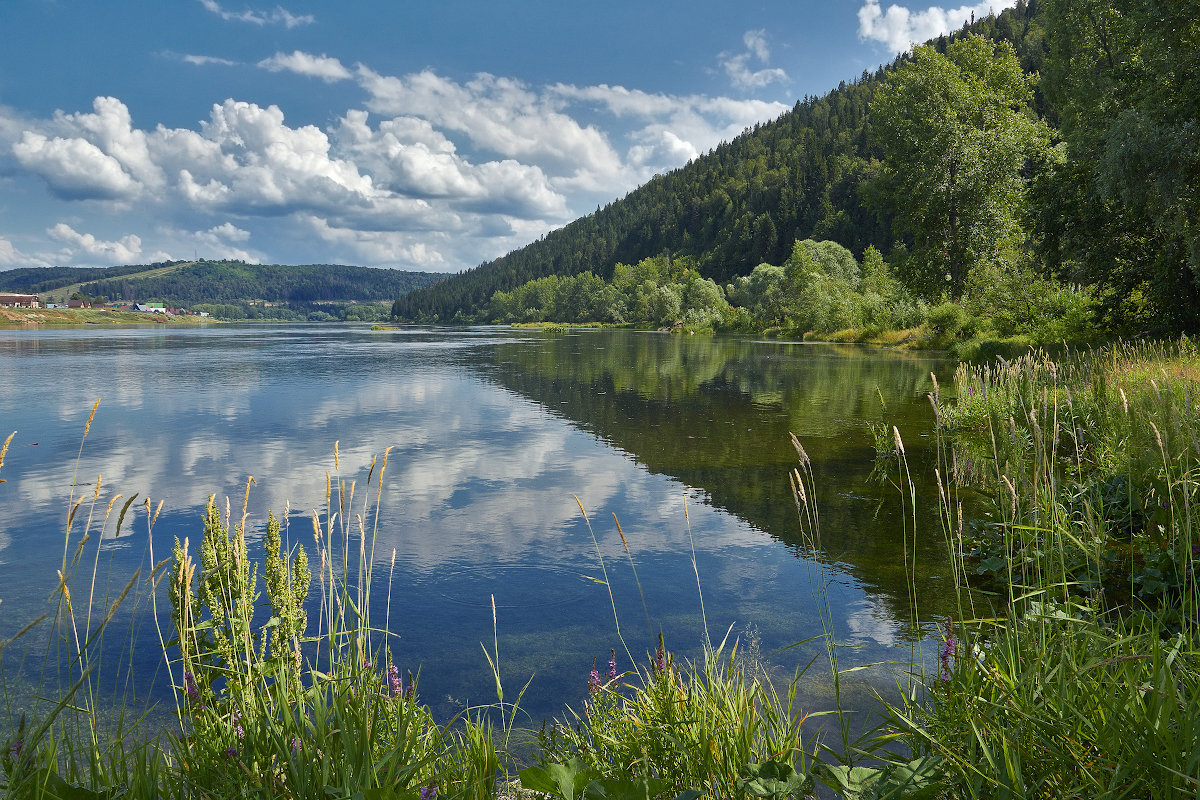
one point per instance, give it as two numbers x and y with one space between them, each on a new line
232 289
1045 162
237 281
803 175
34 280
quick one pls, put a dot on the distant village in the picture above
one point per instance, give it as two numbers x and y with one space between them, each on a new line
33 301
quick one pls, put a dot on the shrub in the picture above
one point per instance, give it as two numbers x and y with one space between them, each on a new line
948 319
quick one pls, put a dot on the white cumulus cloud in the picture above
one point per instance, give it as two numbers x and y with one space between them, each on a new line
737 65
501 115
899 27
91 156
122 251
11 257
251 161
229 232
670 129
324 67
385 247
74 169
429 171
406 155
221 241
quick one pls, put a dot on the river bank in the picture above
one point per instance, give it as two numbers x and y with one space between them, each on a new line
30 317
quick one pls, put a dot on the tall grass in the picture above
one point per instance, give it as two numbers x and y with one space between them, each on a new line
684 726
1074 671
73 738
265 708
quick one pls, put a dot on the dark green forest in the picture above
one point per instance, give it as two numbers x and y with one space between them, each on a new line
236 281
1051 150
35 280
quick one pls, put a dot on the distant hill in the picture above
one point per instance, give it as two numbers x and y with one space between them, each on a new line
803 175
34 280
230 283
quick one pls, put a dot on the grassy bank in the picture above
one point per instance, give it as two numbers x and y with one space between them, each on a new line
1074 668
29 317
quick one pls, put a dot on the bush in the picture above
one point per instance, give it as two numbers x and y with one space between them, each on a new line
948 319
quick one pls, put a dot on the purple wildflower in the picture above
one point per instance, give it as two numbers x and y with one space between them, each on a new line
948 651
16 746
231 752
410 691
189 686
297 746
970 391
612 665
429 791
660 659
394 681
593 680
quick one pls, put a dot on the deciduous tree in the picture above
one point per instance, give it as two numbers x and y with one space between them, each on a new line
956 133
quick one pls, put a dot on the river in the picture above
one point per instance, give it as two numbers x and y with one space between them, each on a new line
497 437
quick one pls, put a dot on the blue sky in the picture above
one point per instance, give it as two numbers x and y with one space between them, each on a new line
429 136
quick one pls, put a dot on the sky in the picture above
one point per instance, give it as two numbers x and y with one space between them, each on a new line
426 136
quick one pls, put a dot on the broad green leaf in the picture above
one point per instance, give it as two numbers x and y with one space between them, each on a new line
567 781
854 783
625 789
919 779
774 780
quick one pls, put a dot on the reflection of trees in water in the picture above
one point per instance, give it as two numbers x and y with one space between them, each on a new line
715 414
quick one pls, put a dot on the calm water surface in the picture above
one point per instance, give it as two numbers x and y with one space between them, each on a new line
494 434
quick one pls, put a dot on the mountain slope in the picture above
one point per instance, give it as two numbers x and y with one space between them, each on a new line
803 175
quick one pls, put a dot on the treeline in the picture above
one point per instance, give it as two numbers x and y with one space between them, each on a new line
820 287
296 312
1055 145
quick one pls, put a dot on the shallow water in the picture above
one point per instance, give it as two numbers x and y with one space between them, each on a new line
494 434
